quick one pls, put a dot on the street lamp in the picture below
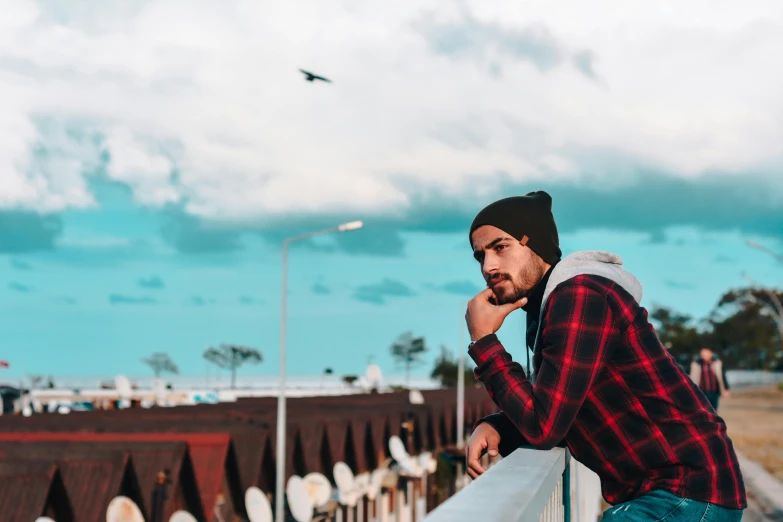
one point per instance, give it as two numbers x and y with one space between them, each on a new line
281 417
461 390
763 248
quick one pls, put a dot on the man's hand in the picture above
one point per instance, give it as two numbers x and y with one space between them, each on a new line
725 393
484 439
484 317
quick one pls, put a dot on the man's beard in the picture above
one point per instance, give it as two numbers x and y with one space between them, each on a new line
526 280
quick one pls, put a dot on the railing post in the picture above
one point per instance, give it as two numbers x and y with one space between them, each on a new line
567 488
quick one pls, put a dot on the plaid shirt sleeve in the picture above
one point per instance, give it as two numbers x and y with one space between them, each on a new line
510 438
577 326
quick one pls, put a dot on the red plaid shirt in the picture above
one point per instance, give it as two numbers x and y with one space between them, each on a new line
608 389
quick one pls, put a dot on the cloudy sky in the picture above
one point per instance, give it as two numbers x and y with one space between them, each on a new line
153 155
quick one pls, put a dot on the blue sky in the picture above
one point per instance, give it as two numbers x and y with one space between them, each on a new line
147 177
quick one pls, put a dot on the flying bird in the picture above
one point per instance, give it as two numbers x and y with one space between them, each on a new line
310 77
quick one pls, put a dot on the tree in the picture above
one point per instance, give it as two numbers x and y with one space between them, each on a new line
407 350
743 329
328 371
231 357
678 334
161 363
747 329
446 370
350 379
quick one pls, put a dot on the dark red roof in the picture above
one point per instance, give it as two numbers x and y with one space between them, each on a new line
92 476
238 439
209 461
23 497
25 489
203 456
33 478
92 484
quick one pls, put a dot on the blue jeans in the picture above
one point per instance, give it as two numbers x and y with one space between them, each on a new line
662 506
714 398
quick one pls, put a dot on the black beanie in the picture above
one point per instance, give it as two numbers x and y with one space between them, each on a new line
524 216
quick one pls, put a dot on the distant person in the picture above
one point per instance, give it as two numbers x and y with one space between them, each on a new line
710 375
604 385
160 495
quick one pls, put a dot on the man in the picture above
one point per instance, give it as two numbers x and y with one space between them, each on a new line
710 375
604 385
160 495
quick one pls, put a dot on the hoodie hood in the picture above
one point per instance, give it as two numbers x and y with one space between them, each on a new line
592 262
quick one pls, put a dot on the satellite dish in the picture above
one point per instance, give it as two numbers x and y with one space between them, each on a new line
159 389
64 409
123 387
346 485
427 462
416 397
27 411
299 502
362 483
406 463
182 516
318 488
411 467
397 449
258 508
373 374
343 477
123 509
376 483
349 499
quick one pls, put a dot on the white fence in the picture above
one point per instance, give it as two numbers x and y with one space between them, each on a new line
527 486
752 377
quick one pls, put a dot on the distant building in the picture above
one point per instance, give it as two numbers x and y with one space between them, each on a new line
9 394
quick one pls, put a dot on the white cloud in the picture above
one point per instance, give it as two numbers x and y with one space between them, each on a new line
202 102
93 241
137 164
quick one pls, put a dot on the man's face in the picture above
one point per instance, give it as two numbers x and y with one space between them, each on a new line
706 354
509 269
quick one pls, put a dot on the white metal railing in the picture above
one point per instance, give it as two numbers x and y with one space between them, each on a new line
527 486
585 493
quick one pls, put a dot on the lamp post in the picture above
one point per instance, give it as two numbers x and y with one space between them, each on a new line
461 390
281 416
759 246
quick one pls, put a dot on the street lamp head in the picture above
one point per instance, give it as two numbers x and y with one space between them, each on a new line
353 225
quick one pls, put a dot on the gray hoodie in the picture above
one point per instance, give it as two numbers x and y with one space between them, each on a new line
593 262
